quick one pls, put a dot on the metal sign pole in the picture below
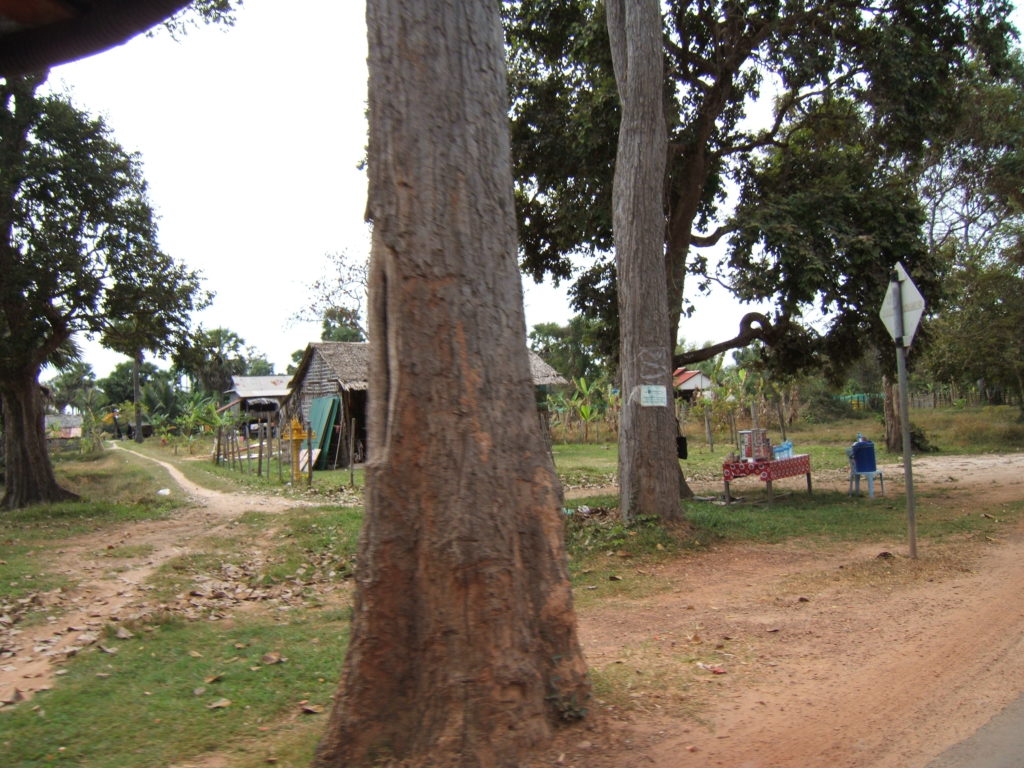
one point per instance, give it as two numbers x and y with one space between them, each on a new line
901 369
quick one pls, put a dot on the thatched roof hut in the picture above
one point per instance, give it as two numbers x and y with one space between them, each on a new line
340 370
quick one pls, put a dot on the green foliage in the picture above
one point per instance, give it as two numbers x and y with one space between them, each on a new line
81 250
342 324
69 382
821 405
853 98
572 349
118 386
978 335
820 222
212 357
78 254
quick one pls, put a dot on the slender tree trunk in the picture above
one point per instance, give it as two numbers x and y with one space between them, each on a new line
29 475
463 649
891 412
137 395
649 472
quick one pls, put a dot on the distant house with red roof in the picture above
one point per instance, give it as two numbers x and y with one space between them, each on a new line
688 383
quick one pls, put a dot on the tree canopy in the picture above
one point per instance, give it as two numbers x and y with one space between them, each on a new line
78 252
214 355
570 349
797 132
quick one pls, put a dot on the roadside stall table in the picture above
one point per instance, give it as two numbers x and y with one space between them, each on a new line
767 470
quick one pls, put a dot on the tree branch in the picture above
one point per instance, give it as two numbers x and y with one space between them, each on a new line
706 241
753 327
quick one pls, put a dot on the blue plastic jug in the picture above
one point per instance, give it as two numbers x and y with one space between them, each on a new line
864 456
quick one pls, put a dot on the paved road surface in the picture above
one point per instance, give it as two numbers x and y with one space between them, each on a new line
997 744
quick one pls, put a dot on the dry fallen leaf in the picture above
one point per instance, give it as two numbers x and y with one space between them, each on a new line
219 704
212 678
195 654
273 657
124 634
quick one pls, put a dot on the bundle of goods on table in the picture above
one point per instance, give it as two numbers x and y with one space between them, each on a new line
759 458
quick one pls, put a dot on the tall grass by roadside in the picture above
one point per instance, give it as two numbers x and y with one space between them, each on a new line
176 691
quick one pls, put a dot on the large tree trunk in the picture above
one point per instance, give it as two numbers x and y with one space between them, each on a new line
649 473
29 475
463 649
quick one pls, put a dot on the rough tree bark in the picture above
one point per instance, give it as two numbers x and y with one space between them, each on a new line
649 475
463 649
29 476
891 413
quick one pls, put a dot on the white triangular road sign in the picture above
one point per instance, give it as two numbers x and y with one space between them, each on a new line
913 306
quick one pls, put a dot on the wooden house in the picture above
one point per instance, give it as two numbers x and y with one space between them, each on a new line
329 392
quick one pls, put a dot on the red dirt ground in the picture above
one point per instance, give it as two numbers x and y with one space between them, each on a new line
755 656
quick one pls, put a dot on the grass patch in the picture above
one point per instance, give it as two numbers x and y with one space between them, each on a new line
21 573
314 543
127 551
200 469
177 692
987 429
825 515
180 573
609 558
583 465
669 674
116 488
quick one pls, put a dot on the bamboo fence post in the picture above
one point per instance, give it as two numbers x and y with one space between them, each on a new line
352 455
259 464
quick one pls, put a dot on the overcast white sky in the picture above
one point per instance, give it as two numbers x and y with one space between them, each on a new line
250 138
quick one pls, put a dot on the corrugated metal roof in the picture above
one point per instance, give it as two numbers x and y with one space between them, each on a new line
260 386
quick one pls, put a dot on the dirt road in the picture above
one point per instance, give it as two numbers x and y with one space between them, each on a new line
767 656
827 657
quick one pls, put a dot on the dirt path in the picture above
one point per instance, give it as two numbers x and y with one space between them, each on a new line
113 590
781 656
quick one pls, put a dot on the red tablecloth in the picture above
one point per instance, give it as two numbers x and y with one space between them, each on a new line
768 470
